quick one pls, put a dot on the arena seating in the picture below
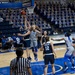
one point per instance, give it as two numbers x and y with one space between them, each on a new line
57 15
7 29
48 15
17 20
35 19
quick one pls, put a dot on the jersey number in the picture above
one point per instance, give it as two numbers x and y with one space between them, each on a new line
47 48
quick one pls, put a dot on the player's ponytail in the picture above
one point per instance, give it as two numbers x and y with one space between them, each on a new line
47 38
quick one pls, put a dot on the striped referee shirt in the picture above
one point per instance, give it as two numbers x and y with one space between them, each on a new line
22 65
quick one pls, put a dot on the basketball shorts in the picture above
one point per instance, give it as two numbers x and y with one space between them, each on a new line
49 58
69 54
69 51
39 44
27 43
33 43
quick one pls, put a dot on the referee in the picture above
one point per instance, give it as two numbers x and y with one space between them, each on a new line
20 65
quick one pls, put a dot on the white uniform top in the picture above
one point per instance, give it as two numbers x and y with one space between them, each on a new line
70 48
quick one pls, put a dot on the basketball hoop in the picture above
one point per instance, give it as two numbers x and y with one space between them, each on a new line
30 10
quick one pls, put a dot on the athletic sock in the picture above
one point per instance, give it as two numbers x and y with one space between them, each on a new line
35 55
65 66
73 64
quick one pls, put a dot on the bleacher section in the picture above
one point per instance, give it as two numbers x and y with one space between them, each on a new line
35 19
14 16
49 16
7 29
58 16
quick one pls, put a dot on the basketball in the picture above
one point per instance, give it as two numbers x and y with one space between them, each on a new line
23 12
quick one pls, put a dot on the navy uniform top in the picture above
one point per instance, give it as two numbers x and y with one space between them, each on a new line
28 36
47 48
43 39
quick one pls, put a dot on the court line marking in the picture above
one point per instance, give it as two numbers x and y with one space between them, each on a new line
59 49
57 70
50 64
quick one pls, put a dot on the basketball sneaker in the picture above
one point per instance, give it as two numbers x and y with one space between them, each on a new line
29 58
36 59
73 67
65 69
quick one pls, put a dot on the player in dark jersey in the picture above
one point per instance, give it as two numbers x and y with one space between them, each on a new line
48 52
26 39
44 36
43 39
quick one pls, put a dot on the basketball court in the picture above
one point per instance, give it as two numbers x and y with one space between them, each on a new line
59 46
38 67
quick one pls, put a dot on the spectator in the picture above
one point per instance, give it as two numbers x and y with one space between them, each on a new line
1 19
10 22
6 44
17 41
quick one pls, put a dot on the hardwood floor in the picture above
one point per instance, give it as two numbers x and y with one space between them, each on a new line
5 58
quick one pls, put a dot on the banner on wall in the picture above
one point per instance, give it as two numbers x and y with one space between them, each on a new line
10 5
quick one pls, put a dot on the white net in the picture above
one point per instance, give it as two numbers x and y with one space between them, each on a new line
30 10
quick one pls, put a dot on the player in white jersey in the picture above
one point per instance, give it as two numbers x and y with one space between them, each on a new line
70 49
